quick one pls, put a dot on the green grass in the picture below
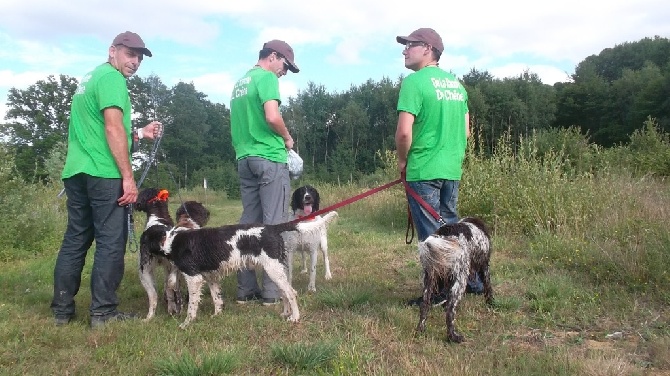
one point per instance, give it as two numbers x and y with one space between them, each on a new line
593 266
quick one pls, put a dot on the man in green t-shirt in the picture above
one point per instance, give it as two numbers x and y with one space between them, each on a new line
99 183
433 127
261 141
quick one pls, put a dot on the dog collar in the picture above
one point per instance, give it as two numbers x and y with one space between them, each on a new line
162 195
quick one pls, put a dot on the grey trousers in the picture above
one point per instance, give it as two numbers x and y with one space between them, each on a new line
93 214
265 189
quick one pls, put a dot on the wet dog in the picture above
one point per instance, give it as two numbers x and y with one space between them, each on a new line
448 256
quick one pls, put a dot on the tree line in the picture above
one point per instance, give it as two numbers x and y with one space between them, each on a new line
341 136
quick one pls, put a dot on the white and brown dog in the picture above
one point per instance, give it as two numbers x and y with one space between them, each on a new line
448 256
154 202
304 201
206 255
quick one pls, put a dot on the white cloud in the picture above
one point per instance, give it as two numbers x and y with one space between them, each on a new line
548 74
202 41
218 86
287 88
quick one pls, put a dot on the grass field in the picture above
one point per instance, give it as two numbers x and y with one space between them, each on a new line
564 306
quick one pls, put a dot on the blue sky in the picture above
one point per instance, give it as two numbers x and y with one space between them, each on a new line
337 44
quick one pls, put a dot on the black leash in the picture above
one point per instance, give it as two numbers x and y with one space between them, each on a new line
133 245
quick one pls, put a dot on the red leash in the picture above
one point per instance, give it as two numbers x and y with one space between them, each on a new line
347 201
363 195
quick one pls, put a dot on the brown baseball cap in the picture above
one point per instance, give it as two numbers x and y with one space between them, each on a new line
285 50
132 40
425 35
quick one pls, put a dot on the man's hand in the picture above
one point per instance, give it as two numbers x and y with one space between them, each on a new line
152 130
129 192
288 142
402 167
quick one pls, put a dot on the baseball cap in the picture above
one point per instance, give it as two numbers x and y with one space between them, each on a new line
425 35
132 40
285 50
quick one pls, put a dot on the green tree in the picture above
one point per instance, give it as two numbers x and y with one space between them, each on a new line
613 92
39 117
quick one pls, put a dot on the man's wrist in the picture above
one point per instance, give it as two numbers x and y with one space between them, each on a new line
139 134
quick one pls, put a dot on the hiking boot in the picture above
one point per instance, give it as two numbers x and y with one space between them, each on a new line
249 298
100 321
62 320
270 301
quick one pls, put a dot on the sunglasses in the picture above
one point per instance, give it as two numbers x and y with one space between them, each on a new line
282 57
409 45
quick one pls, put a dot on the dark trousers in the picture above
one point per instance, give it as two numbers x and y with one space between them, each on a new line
93 214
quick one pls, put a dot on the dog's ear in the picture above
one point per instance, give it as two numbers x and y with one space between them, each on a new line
317 200
295 200
143 197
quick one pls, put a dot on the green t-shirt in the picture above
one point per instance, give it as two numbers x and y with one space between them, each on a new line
439 103
88 151
252 135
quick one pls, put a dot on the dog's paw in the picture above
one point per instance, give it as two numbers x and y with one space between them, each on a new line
183 325
455 338
329 276
172 309
293 319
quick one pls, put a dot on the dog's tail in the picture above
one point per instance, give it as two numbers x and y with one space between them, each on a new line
317 224
477 222
330 217
441 256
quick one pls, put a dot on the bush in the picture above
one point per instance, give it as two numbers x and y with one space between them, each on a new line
650 149
525 192
34 218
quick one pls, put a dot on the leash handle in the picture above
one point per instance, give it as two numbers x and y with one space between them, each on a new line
410 227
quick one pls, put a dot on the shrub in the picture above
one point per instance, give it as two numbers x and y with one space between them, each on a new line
650 149
33 218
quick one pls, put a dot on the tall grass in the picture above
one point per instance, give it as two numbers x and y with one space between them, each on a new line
32 220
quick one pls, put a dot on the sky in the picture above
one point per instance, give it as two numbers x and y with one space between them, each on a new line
212 43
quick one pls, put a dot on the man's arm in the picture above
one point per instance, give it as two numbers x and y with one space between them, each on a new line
273 117
118 144
467 125
403 138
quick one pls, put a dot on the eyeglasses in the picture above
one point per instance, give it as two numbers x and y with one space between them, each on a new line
409 45
282 57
